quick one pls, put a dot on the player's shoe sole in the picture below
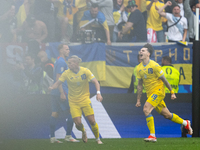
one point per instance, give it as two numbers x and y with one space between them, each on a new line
84 137
189 128
150 139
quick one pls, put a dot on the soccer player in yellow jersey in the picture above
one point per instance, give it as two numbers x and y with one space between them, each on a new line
151 75
79 96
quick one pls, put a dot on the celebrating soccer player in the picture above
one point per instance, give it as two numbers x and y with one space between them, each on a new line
79 96
151 75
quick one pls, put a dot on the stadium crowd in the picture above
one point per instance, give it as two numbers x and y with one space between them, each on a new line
84 20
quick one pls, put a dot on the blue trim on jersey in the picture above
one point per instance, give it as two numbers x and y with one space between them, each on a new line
162 75
92 79
150 115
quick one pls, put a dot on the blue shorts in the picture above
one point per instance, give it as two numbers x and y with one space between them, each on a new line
57 105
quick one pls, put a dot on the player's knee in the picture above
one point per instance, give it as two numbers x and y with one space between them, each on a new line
92 122
78 123
146 111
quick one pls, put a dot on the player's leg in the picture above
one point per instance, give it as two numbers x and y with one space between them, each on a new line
89 113
53 119
76 114
65 108
152 102
150 121
175 118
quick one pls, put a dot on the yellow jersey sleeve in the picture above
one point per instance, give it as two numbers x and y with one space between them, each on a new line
89 75
158 71
63 76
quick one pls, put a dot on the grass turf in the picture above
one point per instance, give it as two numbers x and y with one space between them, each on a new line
109 144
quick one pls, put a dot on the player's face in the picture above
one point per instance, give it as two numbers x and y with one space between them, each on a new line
72 64
144 53
65 50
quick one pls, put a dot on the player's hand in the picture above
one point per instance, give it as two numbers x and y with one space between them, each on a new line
138 104
173 96
99 97
63 96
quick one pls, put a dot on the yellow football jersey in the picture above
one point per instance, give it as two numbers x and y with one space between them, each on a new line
150 74
78 84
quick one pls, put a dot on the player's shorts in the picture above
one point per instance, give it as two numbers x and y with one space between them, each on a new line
156 99
57 105
76 109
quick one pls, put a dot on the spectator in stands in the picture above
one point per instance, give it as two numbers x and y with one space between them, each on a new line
186 11
46 64
178 23
171 74
120 17
45 11
25 9
134 80
155 31
82 6
33 29
135 25
106 7
97 22
7 20
31 74
66 9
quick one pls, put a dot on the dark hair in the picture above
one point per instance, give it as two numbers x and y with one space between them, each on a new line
94 5
168 59
149 48
60 46
175 6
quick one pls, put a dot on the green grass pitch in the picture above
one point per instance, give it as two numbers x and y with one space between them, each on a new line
109 144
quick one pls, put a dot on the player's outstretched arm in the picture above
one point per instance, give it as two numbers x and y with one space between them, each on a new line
97 86
139 92
55 85
173 96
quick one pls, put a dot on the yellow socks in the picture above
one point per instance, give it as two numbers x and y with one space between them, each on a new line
150 124
176 119
95 130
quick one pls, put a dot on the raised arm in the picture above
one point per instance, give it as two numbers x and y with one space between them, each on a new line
97 86
139 92
160 10
173 96
150 4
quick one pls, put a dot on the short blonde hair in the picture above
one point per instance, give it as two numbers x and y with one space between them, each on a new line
76 58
